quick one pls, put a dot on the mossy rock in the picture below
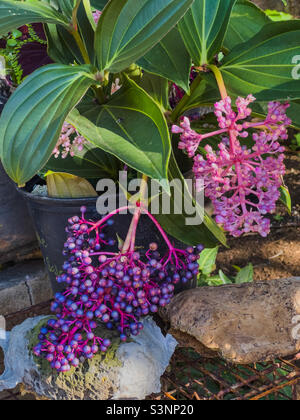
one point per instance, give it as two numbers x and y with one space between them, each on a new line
130 370
96 375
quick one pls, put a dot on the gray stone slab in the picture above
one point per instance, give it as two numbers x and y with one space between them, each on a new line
23 286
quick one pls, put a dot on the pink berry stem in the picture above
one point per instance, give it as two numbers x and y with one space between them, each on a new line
129 244
214 133
109 216
162 232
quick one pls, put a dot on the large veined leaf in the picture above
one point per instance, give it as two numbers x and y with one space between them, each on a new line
129 28
203 28
33 117
91 162
245 22
264 65
158 88
62 46
294 113
14 14
99 4
170 59
204 94
207 233
66 6
131 127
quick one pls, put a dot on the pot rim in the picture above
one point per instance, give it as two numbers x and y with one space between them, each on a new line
42 199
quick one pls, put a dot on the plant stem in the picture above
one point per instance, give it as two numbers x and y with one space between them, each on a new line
89 13
162 232
129 244
100 95
232 138
113 213
81 46
220 80
74 15
181 105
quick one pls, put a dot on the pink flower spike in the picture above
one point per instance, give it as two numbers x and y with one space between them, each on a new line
96 15
189 139
243 183
69 142
176 129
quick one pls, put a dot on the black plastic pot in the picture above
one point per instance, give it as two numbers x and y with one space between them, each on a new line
50 217
17 236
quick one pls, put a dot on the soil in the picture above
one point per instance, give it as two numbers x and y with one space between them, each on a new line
278 255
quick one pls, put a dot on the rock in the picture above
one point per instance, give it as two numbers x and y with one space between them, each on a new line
23 286
127 371
245 323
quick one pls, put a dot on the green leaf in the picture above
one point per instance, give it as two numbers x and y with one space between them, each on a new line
66 6
130 126
203 28
293 113
170 59
246 21
128 29
285 198
32 118
90 163
224 278
212 281
63 185
264 65
14 14
11 42
17 34
278 16
207 261
245 275
99 4
62 46
204 95
158 88
174 222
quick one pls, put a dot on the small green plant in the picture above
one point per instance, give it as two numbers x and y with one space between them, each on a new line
11 46
277 16
278 217
207 266
295 146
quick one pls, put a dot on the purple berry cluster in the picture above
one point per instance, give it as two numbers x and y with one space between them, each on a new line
115 289
242 182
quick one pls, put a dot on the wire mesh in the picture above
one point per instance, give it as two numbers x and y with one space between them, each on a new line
191 377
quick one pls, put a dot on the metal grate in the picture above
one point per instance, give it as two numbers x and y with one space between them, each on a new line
191 377
195 378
